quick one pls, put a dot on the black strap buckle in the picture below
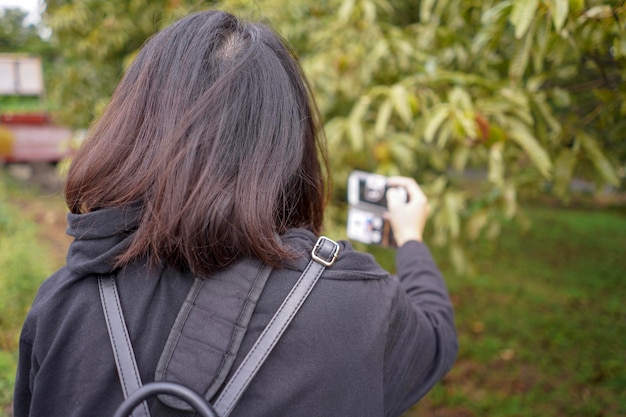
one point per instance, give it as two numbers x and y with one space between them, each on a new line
325 251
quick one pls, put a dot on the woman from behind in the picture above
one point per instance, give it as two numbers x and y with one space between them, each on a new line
209 163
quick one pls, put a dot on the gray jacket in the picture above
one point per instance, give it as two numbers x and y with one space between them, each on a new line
365 343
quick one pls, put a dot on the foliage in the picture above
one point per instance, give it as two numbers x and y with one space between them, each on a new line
525 94
16 35
97 41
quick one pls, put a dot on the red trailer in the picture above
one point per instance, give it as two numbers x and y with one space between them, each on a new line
28 136
32 137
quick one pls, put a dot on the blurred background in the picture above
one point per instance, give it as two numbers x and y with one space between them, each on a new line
511 114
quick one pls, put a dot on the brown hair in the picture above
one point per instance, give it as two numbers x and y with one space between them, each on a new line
214 131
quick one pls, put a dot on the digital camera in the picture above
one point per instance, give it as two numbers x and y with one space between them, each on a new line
367 199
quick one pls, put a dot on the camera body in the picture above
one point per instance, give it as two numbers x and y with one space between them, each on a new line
367 199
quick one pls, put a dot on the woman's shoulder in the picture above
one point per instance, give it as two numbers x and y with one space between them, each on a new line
351 264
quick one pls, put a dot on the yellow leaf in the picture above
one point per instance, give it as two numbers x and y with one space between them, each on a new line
599 12
522 15
345 10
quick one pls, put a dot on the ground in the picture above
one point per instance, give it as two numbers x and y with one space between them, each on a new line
48 209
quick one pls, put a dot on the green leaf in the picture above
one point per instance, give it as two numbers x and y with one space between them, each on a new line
335 129
401 103
519 62
369 11
599 12
458 258
495 173
522 15
547 114
527 141
426 10
355 132
402 153
382 118
453 204
601 162
445 133
460 99
384 5
460 156
560 9
564 165
434 121
509 198
493 14
355 123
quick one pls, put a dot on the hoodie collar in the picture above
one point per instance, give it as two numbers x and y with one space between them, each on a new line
99 237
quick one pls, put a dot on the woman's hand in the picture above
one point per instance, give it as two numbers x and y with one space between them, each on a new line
407 219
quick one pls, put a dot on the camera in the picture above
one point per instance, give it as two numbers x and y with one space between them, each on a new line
367 199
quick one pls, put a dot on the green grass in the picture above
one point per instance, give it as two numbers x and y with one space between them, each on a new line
22 104
542 325
23 265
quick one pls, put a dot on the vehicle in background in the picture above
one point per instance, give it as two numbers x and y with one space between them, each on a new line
28 136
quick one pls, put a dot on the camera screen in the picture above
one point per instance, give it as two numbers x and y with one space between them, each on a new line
367 227
373 189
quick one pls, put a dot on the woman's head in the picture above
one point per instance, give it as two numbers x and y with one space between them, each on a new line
214 131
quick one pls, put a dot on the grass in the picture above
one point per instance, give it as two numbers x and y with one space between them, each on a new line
541 325
24 262
22 104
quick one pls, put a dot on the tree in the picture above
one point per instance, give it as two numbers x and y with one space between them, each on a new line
18 37
530 92
98 39
15 35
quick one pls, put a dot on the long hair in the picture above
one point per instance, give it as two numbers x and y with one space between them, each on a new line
214 131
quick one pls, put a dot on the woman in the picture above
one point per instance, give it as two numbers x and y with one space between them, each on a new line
205 164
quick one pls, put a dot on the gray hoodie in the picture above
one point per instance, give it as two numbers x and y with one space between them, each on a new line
365 343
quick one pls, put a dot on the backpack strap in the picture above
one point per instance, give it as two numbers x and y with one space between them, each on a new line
125 362
211 325
323 255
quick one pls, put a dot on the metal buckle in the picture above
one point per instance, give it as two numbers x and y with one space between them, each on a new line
333 254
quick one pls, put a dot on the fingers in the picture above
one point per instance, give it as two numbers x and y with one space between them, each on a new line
414 191
407 218
396 197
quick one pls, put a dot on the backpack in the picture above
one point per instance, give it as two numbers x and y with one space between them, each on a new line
323 255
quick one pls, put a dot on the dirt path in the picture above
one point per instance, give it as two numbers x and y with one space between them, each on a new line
42 202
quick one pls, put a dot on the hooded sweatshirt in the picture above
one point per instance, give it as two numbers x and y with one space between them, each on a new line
365 343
